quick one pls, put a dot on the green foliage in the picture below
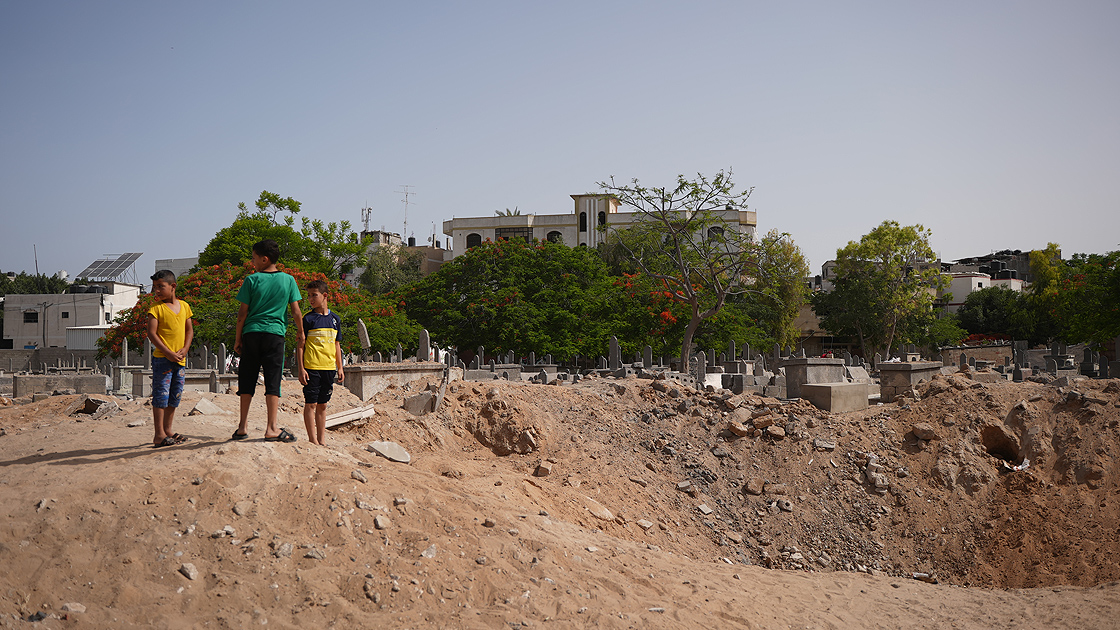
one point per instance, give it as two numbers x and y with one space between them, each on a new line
1001 311
1087 302
328 248
513 295
682 242
212 293
780 285
391 268
883 281
25 283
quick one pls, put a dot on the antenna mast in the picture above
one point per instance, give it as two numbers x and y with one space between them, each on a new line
406 193
366 211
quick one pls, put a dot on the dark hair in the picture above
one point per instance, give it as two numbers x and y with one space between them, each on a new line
268 249
163 275
317 285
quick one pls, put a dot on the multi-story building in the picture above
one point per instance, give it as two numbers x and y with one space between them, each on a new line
577 228
42 320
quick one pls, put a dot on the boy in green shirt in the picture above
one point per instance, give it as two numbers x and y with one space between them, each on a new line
264 297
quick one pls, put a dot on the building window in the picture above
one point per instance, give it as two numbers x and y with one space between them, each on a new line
473 240
31 317
511 233
979 285
555 237
108 318
602 218
715 232
583 222
65 314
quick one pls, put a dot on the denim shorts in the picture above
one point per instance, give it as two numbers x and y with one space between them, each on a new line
168 379
320 384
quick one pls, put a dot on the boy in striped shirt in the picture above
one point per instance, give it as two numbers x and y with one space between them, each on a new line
319 359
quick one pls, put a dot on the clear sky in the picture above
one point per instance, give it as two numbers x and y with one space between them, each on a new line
139 126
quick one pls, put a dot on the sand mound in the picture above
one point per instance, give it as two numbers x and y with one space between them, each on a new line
606 504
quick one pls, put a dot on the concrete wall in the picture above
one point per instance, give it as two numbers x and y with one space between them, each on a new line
367 379
897 378
811 370
993 353
27 384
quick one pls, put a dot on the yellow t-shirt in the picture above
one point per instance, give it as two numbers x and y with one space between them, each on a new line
171 326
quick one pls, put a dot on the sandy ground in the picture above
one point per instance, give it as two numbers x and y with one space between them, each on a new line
651 514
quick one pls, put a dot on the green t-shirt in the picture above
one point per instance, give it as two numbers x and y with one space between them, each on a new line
268 294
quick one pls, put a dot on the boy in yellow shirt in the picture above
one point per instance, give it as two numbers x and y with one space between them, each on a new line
171 331
319 359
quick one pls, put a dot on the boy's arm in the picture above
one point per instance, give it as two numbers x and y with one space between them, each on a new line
242 312
297 316
187 338
301 345
157 341
338 361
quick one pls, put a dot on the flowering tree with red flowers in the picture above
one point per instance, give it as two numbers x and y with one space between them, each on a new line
212 293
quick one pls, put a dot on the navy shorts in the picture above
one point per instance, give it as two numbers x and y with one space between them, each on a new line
168 380
320 384
260 350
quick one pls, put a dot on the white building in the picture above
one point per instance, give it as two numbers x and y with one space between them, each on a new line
42 320
963 284
573 229
178 266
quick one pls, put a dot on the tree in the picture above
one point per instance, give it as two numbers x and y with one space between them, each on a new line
782 272
1001 311
1087 303
682 242
511 295
884 279
390 269
329 248
25 283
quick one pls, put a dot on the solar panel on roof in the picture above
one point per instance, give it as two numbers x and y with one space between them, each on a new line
110 269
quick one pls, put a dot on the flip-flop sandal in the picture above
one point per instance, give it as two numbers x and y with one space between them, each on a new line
179 438
239 436
167 441
285 436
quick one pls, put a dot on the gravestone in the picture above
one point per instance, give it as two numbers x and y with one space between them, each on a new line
222 358
730 350
964 360
491 364
647 357
400 352
147 354
481 355
615 360
878 360
602 363
424 352
377 356
532 358
1104 369
1051 365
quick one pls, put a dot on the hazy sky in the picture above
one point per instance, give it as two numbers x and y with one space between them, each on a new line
139 126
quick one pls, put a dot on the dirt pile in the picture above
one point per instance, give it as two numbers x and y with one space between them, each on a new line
615 503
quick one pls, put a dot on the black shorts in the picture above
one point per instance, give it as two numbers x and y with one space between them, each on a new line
320 384
260 350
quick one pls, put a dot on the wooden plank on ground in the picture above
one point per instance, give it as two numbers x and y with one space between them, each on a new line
346 417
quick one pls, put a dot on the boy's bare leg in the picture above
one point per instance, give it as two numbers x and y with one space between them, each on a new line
272 404
168 418
321 423
309 421
157 420
246 400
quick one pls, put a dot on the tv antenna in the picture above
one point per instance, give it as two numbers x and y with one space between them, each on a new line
406 193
